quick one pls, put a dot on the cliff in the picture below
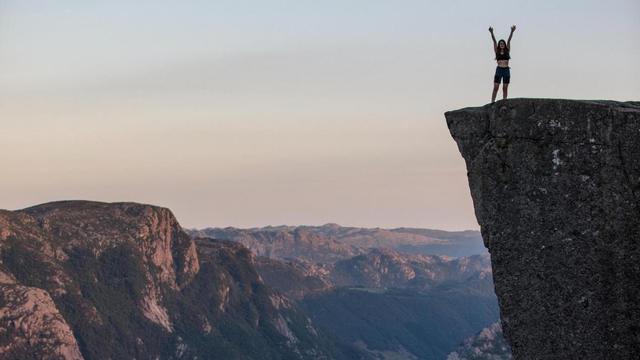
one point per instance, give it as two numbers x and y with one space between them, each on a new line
556 190
93 280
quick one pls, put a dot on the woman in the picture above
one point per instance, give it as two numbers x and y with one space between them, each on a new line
501 49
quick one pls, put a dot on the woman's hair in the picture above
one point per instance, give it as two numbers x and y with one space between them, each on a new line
506 49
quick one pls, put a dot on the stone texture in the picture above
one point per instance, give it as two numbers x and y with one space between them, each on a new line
30 323
556 190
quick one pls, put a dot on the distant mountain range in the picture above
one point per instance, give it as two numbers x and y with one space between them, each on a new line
331 242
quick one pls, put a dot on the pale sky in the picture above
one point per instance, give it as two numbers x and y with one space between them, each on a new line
249 113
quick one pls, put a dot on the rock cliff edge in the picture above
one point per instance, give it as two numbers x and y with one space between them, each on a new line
556 190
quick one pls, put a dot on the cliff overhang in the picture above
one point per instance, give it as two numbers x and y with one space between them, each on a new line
556 190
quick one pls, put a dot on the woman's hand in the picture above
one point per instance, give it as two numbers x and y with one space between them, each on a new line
491 29
513 28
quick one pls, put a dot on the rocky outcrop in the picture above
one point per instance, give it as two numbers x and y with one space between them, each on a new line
556 190
488 344
100 226
294 278
31 325
96 280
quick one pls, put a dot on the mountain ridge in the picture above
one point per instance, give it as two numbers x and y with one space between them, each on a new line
339 242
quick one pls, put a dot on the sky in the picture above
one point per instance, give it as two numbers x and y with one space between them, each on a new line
251 113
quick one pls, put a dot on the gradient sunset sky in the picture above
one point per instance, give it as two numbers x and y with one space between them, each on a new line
249 113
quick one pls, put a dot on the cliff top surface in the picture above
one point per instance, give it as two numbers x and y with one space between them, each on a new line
81 205
603 103
545 121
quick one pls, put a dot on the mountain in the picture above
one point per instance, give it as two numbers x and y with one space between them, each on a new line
90 280
384 268
373 288
389 304
331 242
295 278
378 268
489 344
285 242
98 281
556 190
404 306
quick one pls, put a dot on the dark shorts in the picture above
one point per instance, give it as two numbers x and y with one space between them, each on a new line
502 73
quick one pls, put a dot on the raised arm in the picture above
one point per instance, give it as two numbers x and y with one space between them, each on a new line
495 44
513 28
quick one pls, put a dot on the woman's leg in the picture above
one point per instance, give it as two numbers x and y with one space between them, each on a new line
495 91
505 90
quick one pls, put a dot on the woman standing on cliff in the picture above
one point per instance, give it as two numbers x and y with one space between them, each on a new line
501 49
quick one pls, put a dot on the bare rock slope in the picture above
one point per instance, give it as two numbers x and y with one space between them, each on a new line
31 325
556 190
121 281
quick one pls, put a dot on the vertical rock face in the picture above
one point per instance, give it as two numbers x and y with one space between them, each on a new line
556 190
